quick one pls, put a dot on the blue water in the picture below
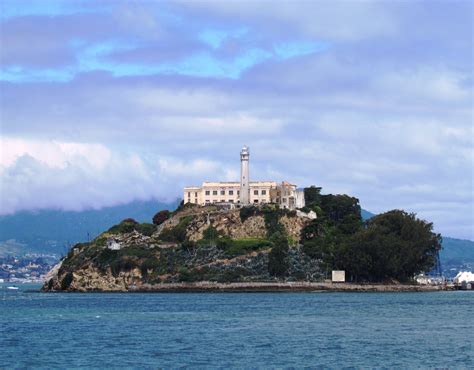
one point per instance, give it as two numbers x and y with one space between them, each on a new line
236 330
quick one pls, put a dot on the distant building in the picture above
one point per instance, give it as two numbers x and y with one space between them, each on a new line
113 245
246 192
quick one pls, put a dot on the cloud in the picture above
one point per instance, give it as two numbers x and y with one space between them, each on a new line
216 37
99 57
135 100
46 8
75 176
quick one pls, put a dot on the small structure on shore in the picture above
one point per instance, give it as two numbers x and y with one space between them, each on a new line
338 276
464 280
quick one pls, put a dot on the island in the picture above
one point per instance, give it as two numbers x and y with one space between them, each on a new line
263 247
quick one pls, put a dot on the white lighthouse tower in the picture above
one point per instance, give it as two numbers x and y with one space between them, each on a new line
244 176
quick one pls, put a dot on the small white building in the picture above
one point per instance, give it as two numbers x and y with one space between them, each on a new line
464 277
113 245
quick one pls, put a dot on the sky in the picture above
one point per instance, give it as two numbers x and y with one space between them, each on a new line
107 102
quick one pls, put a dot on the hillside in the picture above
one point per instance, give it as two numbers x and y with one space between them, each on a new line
195 244
55 231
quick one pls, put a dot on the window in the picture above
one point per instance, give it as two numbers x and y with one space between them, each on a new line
208 201
222 192
238 192
189 194
195 194
231 201
208 192
222 201
255 200
255 192
264 192
284 200
214 192
231 192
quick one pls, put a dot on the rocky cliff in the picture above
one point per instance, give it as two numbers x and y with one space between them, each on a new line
197 244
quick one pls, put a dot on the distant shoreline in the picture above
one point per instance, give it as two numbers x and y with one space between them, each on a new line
248 287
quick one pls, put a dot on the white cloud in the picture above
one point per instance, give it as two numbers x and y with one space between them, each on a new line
346 20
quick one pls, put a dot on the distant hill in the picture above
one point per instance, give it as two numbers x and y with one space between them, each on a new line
366 214
54 231
457 251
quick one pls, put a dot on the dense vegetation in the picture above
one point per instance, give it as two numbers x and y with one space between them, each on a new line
393 245
161 217
177 233
278 263
128 225
231 247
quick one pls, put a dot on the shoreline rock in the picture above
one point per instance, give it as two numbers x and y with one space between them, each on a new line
249 287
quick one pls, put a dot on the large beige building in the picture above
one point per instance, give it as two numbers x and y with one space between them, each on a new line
245 192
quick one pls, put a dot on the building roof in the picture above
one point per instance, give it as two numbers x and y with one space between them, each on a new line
237 184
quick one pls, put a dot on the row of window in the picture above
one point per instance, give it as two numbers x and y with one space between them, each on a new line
230 192
222 192
228 201
222 201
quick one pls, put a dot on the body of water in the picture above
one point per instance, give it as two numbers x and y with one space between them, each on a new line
236 330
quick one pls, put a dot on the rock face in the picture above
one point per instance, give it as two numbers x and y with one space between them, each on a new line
195 245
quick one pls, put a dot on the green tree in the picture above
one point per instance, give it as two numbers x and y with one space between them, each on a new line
278 257
161 217
341 211
312 195
393 245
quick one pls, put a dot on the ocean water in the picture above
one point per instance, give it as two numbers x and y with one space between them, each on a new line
407 330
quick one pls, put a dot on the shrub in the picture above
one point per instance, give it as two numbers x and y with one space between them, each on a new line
161 217
246 212
236 247
210 233
129 221
149 264
312 195
183 206
126 226
229 276
185 275
122 264
145 229
100 241
66 281
177 233
278 263
272 223
105 257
